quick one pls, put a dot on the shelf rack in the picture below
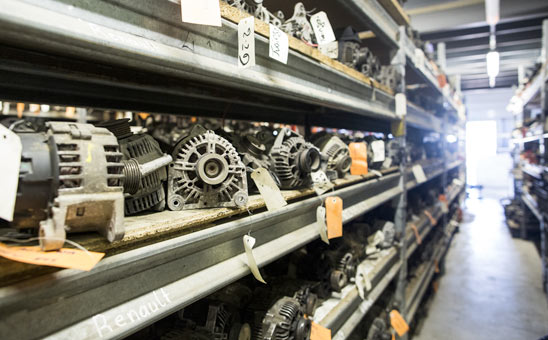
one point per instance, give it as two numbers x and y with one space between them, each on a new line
139 56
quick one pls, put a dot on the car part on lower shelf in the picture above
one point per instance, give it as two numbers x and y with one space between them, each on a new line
339 161
394 153
379 330
293 159
144 168
285 320
299 26
70 180
206 172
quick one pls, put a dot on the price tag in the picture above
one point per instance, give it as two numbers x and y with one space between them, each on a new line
203 12
279 44
322 28
378 150
418 172
246 42
416 232
20 109
358 153
334 208
401 105
10 153
249 242
318 332
398 323
268 189
63 258
330 49
321 224
444 204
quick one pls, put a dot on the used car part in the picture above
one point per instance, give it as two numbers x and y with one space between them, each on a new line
339 161
299 26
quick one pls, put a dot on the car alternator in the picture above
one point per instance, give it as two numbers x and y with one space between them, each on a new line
339 161
206 172
299 26
378 330
70 180
144 168
294 159
390 77
285 321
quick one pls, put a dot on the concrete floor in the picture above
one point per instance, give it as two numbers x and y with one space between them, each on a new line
492 285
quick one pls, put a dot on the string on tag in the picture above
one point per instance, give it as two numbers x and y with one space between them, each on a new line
38 238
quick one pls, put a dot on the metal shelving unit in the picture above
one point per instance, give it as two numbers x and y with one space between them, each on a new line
138 55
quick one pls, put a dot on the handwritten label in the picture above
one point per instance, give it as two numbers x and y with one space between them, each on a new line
10 153
249 242
268 189
322 28
64 257
279 45
321 224
246 42
334 208
330 49
378 150
319 332
203 12
398 323
418 172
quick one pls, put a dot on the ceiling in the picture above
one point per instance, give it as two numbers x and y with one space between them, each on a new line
461 25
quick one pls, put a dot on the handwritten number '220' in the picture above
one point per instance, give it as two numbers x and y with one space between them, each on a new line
245 58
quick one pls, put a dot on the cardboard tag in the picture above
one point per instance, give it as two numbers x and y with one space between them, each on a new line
249 242
401 105
320 182
246 42
322 28
362 280
203 12
321 223
444 204
268 189
433 221
358 153
398 323
20 109
64 257
319 332
418 172
330 49
416 232
436 267
334 208
378 150
279 45
10 153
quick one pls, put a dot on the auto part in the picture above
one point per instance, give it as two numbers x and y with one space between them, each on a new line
293 159
299 26
70 180
144 168
389 76
339 161
256 8
285 321
206 172
378 330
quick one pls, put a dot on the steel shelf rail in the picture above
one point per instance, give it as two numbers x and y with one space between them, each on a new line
185 268
532 205
431 169
138 55
531 91
419 118
528 139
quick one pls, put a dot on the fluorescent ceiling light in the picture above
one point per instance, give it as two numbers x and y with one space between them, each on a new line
492 12
493 60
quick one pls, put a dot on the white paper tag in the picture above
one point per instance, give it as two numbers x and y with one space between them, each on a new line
10 153
444 207
376 172
322 28
320 182
249 242
362 281
387 163
321 223
330 49
401 105
418 172
279 44
268 189
203 12
246 42
378 150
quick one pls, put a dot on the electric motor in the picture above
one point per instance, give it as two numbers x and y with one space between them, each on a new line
285 321
338 161
206 172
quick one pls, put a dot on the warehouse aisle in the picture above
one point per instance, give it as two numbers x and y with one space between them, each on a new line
492 285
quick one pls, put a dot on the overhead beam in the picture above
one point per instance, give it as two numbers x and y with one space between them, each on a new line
443 7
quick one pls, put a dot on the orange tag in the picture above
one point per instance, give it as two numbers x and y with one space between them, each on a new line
436 267
435 286
334 208
143 115
393 336
20 109
358 153
318 332
416 232
70 111
442 198
64 257
433 221
398 323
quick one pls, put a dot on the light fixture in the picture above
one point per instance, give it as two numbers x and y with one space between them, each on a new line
493 61
492 10
492 17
